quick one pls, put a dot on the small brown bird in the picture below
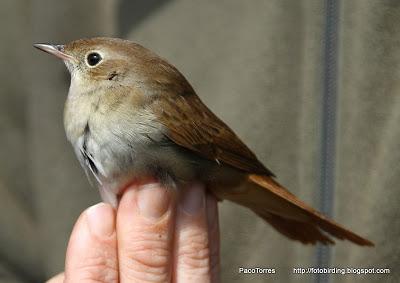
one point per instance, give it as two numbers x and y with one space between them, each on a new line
131 115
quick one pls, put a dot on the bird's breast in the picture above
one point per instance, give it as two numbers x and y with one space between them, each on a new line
117 140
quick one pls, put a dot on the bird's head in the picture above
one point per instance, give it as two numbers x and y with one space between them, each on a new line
109 62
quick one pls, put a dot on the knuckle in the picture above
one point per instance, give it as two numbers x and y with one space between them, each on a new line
146 259
194 252
98 268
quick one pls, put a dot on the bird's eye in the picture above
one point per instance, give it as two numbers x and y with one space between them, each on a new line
93 58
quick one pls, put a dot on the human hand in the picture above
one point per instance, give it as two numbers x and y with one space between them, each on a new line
154 236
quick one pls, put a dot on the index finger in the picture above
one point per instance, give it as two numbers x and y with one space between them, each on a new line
145 228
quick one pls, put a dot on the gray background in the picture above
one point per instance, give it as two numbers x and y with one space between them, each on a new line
258 65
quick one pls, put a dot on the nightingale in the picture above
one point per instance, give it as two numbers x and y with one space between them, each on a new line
130 115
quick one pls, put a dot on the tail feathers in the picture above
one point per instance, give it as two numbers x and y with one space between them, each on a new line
338 231
298 231
291 217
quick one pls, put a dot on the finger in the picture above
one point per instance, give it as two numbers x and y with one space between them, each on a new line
192 251
145 226
213 235
92 249
59 278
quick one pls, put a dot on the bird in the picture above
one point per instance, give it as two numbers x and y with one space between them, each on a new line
130 116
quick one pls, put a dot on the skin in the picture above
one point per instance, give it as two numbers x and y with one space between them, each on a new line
153 237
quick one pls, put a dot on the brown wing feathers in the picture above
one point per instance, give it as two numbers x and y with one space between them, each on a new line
205 134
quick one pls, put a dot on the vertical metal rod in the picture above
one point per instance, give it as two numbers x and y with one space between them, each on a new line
328 124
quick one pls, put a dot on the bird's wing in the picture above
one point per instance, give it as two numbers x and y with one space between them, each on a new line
192 125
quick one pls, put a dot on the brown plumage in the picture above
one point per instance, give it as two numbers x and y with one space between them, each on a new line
131 114
205 134
192 125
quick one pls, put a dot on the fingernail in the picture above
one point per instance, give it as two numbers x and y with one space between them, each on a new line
153 200
101 219
193 199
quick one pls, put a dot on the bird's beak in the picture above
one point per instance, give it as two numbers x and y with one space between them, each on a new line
56 50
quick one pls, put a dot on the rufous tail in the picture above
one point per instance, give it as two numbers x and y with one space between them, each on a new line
290 216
